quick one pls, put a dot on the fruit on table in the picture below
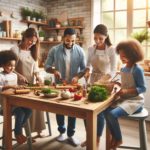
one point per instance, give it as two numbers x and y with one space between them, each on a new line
77 96
72 89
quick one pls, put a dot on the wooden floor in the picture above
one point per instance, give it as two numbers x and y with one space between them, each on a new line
129 130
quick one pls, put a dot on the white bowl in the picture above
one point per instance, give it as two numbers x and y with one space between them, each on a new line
51 39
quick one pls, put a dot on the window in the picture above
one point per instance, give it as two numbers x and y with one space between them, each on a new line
124 17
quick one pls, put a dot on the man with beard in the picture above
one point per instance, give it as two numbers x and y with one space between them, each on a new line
67 62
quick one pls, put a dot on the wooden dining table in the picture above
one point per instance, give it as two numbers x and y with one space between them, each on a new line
79 109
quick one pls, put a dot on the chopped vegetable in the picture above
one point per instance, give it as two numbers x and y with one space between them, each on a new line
47 82
97 94
72 89
48 91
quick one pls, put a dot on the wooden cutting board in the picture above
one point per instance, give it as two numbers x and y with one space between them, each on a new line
65 86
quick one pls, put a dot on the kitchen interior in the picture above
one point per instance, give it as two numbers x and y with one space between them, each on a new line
124 19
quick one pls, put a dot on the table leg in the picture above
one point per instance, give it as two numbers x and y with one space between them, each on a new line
108 138
91 129
7 124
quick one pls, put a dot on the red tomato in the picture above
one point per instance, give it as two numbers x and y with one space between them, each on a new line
72 90
77 97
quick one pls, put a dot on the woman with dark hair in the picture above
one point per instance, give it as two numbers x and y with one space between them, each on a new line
101 56
102 62
27 69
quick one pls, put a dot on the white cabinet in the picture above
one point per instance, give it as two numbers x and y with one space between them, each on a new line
147 96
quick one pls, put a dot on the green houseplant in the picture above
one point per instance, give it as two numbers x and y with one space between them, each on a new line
141 36
39 16
34 15
25 11
42 35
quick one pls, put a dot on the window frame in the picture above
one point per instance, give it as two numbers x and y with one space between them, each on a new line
129 28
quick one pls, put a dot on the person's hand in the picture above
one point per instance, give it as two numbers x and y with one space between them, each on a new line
57 74
116 83
87 75
22 79
38 80
122 92
75 80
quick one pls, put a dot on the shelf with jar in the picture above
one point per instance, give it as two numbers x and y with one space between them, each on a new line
10 38
58 26
38 23
57 42
62 28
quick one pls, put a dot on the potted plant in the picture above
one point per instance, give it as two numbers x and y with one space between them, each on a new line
141 35
33 15
41 35
42 16
26 13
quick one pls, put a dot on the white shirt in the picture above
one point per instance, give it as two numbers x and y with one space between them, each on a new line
104 61
7 79
68 60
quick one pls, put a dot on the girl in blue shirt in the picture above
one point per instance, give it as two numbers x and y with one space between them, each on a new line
130 99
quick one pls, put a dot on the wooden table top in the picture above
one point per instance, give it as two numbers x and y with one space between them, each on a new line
83 103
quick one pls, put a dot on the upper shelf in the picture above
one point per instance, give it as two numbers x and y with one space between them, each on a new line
62 28
10 38
42 42
34 22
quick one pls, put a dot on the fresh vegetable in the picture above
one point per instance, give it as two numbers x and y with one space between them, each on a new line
72 89
47 82
66 94
48 91
77 96
97 94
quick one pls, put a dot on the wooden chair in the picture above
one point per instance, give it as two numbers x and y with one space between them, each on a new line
48 123
140 117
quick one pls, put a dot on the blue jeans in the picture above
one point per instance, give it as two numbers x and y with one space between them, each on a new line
61 125
111 116
21 116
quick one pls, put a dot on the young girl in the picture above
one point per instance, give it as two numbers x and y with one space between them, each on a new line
8 80
130 99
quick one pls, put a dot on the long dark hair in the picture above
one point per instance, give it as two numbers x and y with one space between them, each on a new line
102 29
29 33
